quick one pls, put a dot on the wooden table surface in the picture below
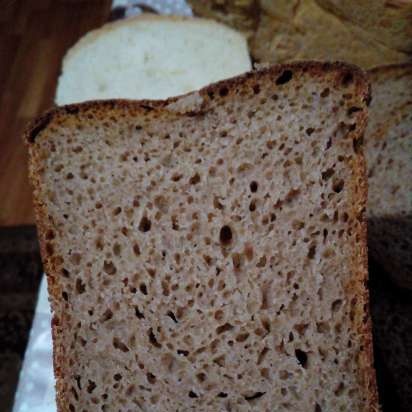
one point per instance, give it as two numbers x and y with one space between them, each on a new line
34 36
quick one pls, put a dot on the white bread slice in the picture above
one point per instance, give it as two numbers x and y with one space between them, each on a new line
150 57
389 157
208 252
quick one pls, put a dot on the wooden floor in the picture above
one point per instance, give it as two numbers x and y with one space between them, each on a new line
34 35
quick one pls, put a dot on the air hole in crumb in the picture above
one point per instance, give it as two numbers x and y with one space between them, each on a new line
325 93
80 286
143 288
91 386
175 223
65 296
138 314
182 352
328 173
153 340
145 224
201 377
336 305
217 204
219 315
261 262
151 378
117 211
285 77
252 205
353 109
136 249
254 396
253 186
339 390
117 377
194 179
312 251
302 358
118 344
224 328
109 267
222 395
338 186
318 408
193 395
107 315
309 130
242 337
256 89
225 235
172 316
262 355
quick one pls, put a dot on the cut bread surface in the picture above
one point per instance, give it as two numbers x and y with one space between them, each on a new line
389 158
208 252
150 57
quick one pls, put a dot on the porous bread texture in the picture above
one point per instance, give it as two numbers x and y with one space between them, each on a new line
210 257
150 57
389 158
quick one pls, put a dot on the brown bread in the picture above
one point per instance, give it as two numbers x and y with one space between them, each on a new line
208 252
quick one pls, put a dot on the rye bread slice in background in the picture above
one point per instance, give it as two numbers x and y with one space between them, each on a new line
208 252
388 151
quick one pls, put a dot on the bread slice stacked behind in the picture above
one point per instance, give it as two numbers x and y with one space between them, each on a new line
150 57
208 252
389 157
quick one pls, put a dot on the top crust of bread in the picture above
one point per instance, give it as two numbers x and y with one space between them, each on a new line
332 75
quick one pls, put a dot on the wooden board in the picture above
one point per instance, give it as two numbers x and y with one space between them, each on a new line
34 36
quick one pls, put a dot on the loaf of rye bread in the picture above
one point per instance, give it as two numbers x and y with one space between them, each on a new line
388 151
208 252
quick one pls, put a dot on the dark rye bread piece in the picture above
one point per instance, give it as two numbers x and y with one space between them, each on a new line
208 252
388 151
391 310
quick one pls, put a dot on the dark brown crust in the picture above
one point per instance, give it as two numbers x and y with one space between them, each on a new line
313 67
345 73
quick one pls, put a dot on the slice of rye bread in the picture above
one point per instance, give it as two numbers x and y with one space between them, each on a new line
208 252
388 151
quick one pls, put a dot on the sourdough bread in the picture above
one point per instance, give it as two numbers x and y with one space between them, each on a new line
150 57
208 252
389 158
